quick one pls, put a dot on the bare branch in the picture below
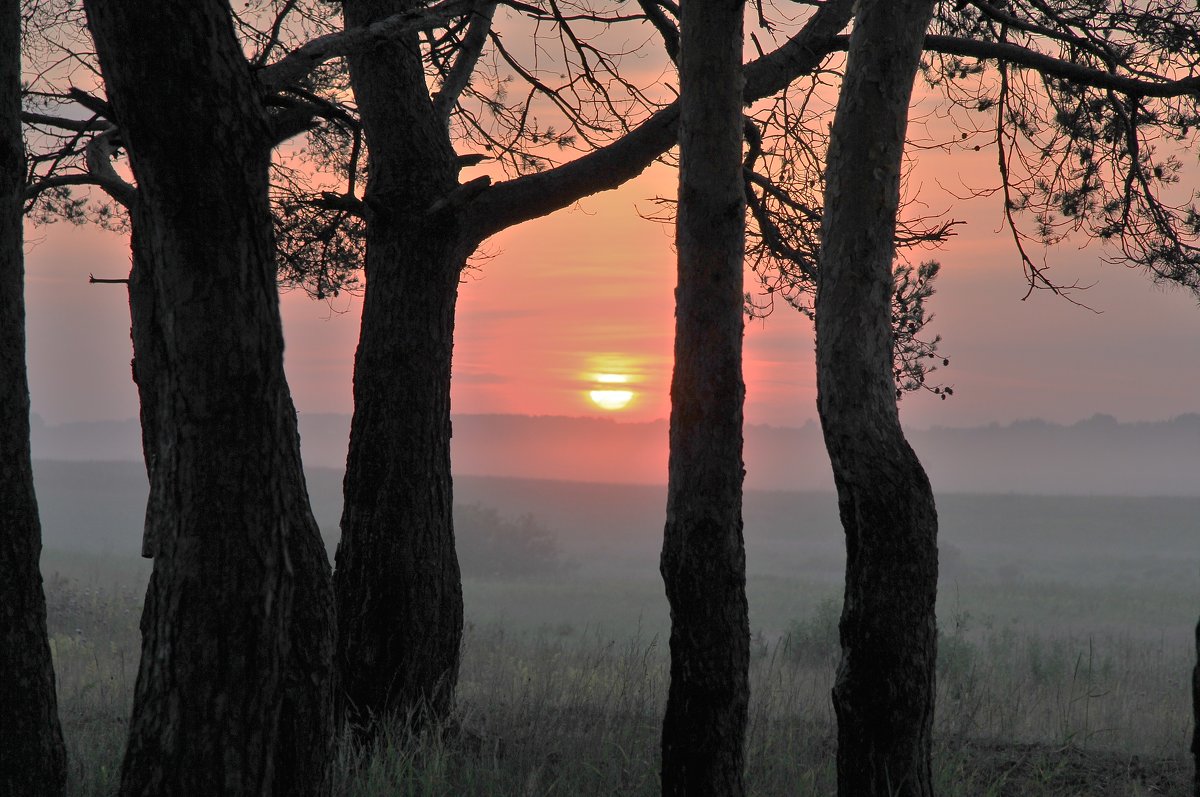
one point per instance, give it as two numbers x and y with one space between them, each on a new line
514 201
91 102
64 123
1059 68
297 64
94 280
665 27
460 73
273 38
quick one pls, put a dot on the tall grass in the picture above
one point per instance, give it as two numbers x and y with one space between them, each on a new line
570 710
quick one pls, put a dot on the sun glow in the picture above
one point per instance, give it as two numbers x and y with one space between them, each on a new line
609 396
611 399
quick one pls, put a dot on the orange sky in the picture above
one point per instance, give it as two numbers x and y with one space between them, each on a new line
589 290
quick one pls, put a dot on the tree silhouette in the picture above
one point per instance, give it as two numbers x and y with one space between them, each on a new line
1074 97
422 225
704 554
234 689
884 691
33 760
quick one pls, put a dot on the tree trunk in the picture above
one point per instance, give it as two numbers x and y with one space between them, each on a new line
233 692
703 557
398 587
1196 714
32 756
884 692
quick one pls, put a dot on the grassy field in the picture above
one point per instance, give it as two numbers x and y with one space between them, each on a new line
1064 667
1063 687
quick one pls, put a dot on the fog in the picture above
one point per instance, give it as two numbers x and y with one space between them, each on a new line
1097 456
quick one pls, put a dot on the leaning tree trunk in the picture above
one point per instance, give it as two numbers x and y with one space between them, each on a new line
884 693
399 592
32 756
703 557
233 692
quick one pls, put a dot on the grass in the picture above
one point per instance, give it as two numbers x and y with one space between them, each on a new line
566 698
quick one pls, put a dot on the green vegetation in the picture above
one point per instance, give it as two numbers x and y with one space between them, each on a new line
564 679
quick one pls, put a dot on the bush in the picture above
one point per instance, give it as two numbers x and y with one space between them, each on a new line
816 640
490 545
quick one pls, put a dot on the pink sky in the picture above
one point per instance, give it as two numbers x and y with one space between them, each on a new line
589 290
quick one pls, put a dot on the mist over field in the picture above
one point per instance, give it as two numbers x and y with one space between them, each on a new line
1096 456
1127 515
1065 619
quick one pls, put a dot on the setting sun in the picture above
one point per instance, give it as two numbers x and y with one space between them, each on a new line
609 396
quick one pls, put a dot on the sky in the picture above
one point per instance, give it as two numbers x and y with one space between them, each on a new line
560 301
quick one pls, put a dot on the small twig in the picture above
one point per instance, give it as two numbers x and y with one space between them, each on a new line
94 280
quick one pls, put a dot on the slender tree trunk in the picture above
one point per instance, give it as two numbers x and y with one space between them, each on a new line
32 756
1196 714
233 691
397 581
703 557
884 692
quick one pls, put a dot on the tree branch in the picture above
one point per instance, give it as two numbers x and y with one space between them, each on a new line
94 280
98 157
34 190
665 27
347 203
63 123
99 153
297 64
459 76
534 195
92 103
273 39
1056 67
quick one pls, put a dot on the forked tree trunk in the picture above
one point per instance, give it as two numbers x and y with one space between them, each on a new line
32 757
233 692
884 693
397 581
703 557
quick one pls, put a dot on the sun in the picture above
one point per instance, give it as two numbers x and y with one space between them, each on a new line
611 399
610 395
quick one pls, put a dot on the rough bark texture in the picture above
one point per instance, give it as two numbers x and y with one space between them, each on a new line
397 581
233 692
703 558
32 757
150 372
884 692
1196 714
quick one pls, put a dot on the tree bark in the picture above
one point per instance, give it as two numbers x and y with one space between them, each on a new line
884 692
32 756
1196 715
233 694
703 557
399 591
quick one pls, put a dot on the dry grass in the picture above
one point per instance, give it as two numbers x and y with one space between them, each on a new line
560 710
